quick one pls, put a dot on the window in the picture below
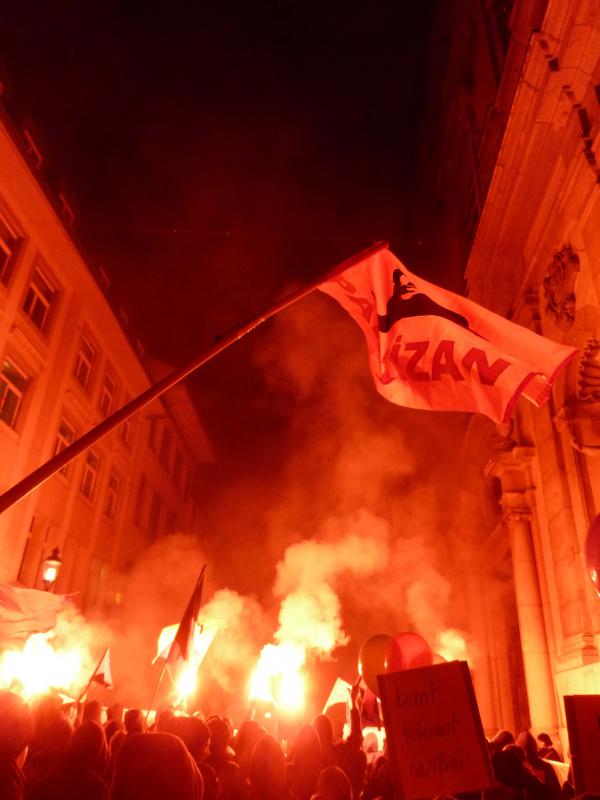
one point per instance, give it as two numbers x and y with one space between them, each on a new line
90 475
165 448
84 364
170 522
112 496
125 431
10 245
187 482
154 519
140 501
108 394
153 434
13 384
177 466
38 300
126 428
31 148
64 437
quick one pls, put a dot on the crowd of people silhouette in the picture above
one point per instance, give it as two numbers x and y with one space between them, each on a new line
113 755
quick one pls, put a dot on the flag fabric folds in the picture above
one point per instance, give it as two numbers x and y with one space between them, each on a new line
369 712
184 638
103 674
339 693
432 349
25 611
202 640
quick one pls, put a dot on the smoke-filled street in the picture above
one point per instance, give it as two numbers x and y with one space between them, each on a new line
299 341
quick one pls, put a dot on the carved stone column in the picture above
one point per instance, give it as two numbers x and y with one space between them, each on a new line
514 469
534 643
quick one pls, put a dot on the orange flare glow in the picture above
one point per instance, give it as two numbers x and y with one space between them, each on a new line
185 676
452 645
40 666
277 677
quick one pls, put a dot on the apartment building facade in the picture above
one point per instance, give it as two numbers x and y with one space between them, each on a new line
66 363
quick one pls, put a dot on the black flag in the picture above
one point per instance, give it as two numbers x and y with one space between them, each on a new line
183 641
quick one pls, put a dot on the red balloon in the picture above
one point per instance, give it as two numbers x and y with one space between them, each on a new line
371 659
439 659
592 552
407 651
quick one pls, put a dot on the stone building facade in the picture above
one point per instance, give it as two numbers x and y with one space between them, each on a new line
518 166
67 362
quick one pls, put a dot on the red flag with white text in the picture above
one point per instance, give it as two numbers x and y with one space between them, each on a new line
432 349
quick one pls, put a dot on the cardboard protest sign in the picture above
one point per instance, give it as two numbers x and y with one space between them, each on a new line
583 723
434 733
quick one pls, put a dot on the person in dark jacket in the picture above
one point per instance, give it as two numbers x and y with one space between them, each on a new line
546 748
155 766
220 757
267 771
348 755
195 735
78 775
543 771
53 741
16 731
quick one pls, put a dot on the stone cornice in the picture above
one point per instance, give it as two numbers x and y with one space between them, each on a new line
513 467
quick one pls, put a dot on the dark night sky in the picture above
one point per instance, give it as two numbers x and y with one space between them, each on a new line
219 154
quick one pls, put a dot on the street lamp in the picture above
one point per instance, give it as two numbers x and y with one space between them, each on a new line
50 569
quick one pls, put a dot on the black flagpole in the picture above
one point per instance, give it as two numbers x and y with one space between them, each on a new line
60 460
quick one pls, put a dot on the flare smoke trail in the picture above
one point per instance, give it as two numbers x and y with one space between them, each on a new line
372 481
356 454
310 612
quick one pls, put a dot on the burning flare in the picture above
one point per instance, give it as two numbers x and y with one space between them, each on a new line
42 665
185 674
310 619
277 677
452 645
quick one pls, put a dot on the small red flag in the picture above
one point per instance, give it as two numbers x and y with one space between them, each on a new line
369 712
103 674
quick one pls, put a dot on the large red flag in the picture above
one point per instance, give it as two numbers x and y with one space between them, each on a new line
183 641
432 349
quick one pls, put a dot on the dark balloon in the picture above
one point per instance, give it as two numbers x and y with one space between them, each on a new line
371 659
407 651
592 552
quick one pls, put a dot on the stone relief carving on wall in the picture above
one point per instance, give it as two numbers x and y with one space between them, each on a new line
588 382
559 287
581 413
